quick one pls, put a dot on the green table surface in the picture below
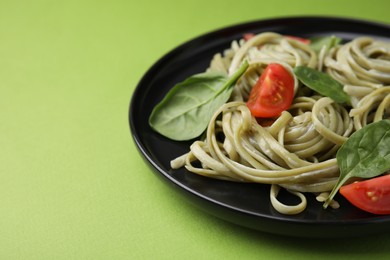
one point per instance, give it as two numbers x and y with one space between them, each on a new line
72 183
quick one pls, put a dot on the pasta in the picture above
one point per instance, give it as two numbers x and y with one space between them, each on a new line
297 150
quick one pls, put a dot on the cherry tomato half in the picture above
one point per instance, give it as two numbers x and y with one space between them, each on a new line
300 39
248 36
371 195
273 92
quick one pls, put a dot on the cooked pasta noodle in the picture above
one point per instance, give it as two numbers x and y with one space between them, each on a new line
297 151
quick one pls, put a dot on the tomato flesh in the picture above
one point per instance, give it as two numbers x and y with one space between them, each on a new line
300 39
371 195
273 92
248 36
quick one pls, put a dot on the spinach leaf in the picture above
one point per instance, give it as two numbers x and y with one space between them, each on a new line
322 83
316 43
366 154
186 110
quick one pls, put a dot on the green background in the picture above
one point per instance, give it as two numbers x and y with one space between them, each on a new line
72 183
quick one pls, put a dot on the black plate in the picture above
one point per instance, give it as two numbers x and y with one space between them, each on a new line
244 204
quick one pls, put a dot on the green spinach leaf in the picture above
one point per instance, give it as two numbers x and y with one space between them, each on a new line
186 110
366 154
322 83
316 43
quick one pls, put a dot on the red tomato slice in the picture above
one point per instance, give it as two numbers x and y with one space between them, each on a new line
247 36
273 93
303 40
371 195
